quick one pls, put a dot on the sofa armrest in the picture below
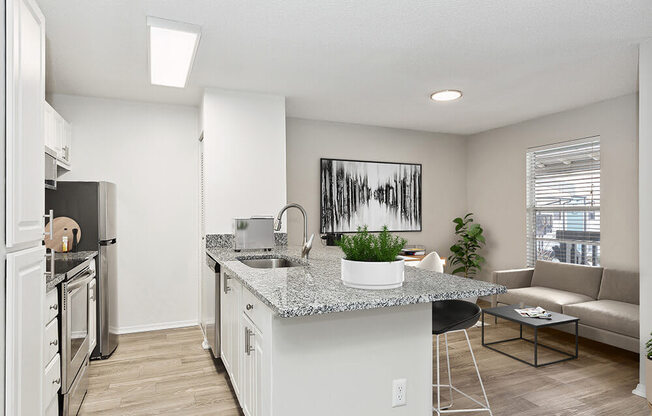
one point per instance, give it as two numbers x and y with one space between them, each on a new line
513 279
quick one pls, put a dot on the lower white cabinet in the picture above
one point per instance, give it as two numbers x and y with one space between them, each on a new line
230 336
53 408
25 332
52 379
246 346
252 367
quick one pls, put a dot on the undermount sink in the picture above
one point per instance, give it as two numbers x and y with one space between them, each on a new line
270 263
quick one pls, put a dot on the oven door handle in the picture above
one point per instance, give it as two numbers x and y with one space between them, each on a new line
81 280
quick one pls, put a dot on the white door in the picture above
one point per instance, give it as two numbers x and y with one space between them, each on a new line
25 333
24 126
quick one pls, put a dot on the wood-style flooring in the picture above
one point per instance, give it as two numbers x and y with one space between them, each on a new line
168 373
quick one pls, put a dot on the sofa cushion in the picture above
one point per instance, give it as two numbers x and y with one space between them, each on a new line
569 277
548 298
612 315
619 285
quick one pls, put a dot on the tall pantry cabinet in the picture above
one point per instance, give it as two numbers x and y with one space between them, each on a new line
24 206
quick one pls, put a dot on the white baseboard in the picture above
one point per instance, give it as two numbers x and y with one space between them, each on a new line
639 390
153 327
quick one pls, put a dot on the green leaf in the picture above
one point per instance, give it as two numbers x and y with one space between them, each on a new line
458 270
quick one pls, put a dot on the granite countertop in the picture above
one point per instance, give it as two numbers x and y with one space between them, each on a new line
52 281
317 287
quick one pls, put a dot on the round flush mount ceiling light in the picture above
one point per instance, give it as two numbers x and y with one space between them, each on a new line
446 95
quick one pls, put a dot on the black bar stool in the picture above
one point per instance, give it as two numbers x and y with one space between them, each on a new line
453 316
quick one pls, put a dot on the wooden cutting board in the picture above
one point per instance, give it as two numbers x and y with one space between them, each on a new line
61 226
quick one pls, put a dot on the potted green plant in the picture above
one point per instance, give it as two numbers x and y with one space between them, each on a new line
371 261
648 371
464 258
469 240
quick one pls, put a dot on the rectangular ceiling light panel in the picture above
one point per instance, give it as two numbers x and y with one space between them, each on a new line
172 48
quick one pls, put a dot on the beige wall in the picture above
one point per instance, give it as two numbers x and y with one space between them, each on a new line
443 157
496 179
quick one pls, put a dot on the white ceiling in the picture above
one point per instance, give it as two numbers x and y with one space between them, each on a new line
365 61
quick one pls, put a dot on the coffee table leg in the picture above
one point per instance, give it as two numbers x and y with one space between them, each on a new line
520 330
576 341
483 327
535 346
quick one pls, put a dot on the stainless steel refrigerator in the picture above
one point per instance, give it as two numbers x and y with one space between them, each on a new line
93 205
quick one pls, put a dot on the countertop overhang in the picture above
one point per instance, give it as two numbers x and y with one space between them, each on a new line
316 288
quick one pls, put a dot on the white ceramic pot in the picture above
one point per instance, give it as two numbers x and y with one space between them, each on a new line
373 275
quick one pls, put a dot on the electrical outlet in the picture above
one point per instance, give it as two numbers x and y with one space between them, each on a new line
399 387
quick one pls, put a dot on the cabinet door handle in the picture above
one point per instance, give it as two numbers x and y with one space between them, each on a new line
49 255
249 306
55 306
246 340
50 215
227 289
54 342
57 381
248 347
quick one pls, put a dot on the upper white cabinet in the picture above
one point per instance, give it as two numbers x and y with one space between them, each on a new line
25 333
25 56
57 133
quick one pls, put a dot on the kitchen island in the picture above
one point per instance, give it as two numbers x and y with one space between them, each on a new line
296 341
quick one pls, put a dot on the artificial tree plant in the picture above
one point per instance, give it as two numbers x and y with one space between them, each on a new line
464 257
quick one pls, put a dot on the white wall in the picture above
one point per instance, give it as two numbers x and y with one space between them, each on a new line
442 156
496 180
645 200
244 156
150 151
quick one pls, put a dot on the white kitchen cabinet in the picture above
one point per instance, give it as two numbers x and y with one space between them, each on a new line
57 133
49 133
253 356
92 315
232 339
25 332
25 96
246 346
67 141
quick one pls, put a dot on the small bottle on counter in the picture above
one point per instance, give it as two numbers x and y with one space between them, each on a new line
64 241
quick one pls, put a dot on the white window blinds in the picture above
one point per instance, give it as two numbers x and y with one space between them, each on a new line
563 203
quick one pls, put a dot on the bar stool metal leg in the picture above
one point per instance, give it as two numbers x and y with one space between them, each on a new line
450 379
447 409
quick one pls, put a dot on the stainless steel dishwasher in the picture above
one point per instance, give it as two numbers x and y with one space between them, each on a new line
210 321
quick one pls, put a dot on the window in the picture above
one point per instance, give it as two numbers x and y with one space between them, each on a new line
563 203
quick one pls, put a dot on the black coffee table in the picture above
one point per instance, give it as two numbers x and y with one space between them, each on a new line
508 312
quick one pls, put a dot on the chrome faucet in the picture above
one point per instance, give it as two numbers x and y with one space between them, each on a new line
307 244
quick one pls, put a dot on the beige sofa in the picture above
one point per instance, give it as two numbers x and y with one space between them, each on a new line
605 300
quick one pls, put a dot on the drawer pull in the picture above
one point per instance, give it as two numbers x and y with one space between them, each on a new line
55 342
57 381
249 306
55 306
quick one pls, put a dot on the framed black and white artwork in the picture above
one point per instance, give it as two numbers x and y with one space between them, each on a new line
356 193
